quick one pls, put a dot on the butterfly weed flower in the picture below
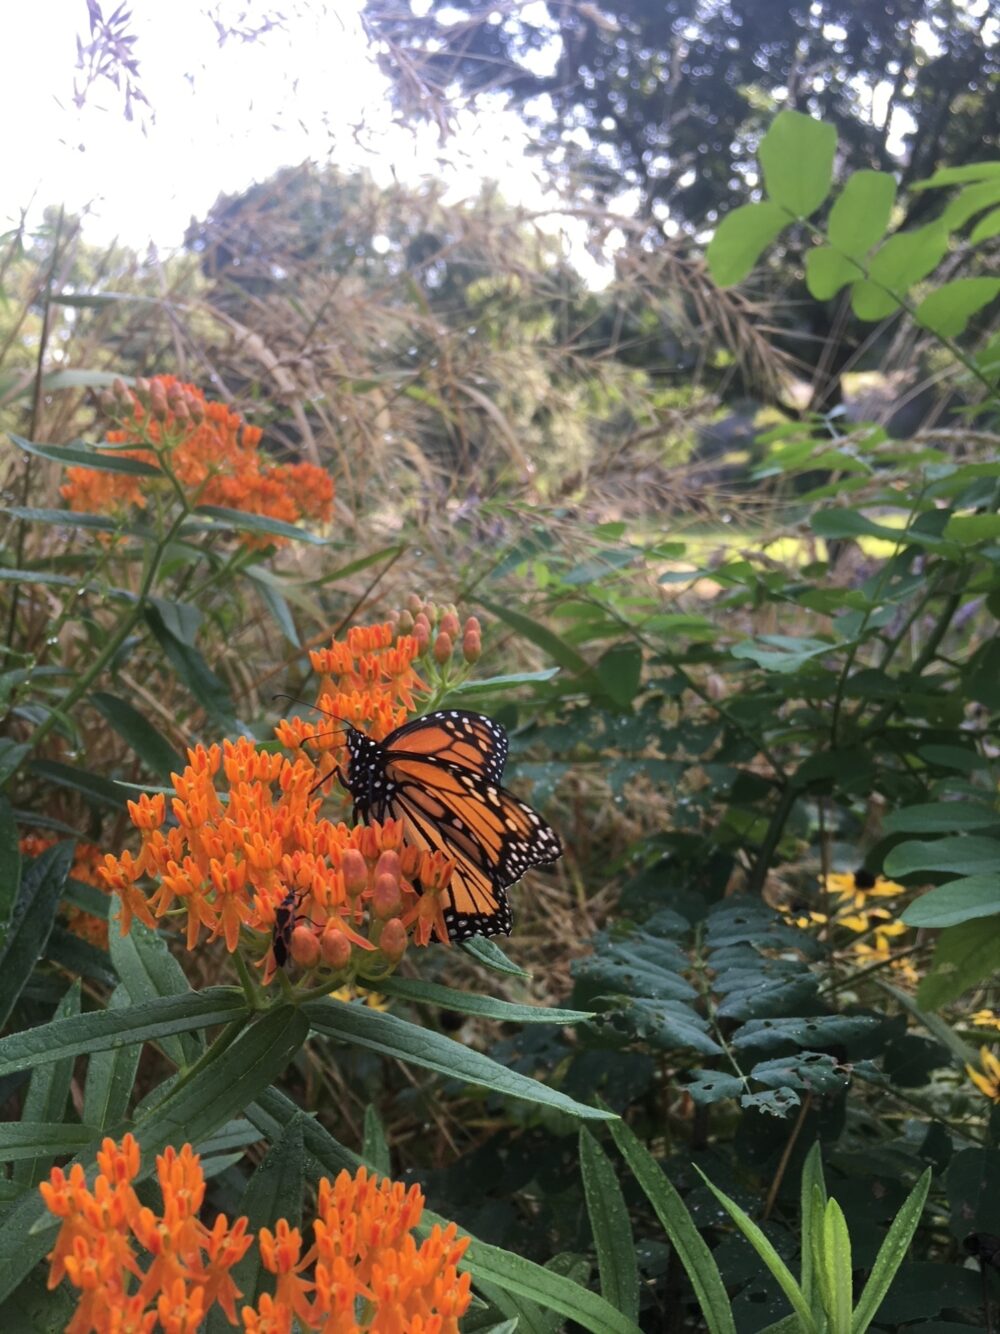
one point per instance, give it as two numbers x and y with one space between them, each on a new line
134 1266
203 448
364 1271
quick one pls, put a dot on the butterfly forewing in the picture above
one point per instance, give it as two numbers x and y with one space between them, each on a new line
440 775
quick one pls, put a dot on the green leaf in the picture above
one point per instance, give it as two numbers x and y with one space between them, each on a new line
609 1222
12 754
812 1204
891 1255
230 1078
940 817
986 228
71 519
968 202
490 955
958 901
796 157
494 685
947 310
965 954
973 527
110 1075
767 1254
275 603
47 1097
392 1036
34 1141
851 523
467 1002
31 921
208 689
148 742
375 1148
557 648
684 1237
490 1264
837 1256
741 238
861 213
149 971
969 171
963 854
77 456
104 1030
97 790
783 653
905 259
708 1086
244 522
827 271
620 673
10 864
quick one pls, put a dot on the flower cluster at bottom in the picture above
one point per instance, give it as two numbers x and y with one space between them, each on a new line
363 1272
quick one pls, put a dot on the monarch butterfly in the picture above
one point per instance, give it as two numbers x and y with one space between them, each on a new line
440 774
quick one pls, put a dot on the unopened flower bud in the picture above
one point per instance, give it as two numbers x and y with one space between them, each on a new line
410 861
472 648
108 403
472 626
414 603
422 634
355 872
335 948
442 648
157 400
389 864
304 947
142 387
392 941
181 410
196 408
431 612
405 623
120 390
386 899
449 625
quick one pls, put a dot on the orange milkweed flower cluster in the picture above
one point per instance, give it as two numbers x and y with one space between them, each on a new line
363 1258
212 454
106 1230
247 849
86 866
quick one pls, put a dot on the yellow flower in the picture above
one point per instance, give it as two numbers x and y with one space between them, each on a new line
802 917
856 887
371 998
986 1019
987 1080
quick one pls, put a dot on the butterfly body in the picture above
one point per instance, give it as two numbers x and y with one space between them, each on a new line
441 775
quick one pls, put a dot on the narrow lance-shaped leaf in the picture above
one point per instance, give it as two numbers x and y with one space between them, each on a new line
609 1222
676 1220
891 1255
31 921
392 1036
46 1099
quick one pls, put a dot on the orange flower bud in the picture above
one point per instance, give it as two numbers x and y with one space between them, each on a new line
405 623
120 390
181 410
431 612
414 603
335 948
472 648
386 900
422 634
472 626
355 872
304 947
389 864
443 648
410 861
392 941
157 400
449 625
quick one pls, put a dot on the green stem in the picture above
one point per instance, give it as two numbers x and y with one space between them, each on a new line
923 660
221 1044
128 621
790 793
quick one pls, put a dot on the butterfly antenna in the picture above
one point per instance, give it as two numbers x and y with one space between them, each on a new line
296 700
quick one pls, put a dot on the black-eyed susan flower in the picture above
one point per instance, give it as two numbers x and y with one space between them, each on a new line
986 1080
855 888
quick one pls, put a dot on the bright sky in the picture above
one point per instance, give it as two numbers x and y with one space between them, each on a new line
222 117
